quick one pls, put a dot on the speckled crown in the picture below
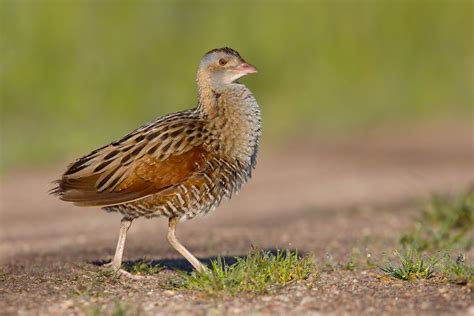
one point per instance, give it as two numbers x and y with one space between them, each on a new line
226 50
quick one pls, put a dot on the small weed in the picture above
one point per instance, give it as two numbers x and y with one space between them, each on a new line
458 271
411 266
142 267
357 260
259 272
330 265
85 291
351 264
94 311
444 224
354 262
119 309
369 261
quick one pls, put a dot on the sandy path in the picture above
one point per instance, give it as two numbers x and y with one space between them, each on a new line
315 195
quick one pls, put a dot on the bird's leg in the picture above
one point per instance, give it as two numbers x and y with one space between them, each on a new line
116 263
125 224
180 248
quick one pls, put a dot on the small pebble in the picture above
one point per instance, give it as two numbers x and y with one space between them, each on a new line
67 304
307 300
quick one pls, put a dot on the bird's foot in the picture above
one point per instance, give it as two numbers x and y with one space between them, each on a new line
118 272
201 268
136 277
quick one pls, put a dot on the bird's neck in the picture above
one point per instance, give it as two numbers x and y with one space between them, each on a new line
232 111
210 90
207 95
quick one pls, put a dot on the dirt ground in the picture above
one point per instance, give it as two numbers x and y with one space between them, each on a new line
326 197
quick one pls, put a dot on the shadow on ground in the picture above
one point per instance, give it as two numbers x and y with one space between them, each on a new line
183 265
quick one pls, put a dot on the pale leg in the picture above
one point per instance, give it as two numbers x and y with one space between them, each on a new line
116 263
124 226
180 248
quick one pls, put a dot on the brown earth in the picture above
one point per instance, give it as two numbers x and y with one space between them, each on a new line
329 198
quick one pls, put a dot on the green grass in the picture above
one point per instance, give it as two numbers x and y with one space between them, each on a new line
119 309
410 266
458 271
78 74
446 223
259 272
142 267
357 260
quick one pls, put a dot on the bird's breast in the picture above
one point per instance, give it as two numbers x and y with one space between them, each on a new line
236 126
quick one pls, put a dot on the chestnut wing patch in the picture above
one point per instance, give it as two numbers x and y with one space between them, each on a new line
147 175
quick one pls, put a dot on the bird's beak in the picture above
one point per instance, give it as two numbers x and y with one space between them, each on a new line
245 68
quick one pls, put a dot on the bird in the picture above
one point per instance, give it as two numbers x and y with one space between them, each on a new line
179 165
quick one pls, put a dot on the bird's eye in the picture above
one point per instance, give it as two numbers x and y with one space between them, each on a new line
222 61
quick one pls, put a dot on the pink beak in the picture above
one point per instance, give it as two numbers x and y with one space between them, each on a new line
246 68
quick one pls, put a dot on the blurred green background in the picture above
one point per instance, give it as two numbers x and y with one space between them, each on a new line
77 74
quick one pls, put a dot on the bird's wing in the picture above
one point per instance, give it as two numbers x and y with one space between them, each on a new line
144 162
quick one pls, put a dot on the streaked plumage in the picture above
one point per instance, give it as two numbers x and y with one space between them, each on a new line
179 165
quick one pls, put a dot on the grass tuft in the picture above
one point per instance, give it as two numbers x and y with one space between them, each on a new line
411 266
259 272
458 271
446 223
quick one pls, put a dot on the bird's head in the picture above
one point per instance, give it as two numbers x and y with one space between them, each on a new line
223 66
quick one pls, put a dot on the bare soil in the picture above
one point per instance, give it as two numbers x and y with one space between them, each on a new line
325 197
